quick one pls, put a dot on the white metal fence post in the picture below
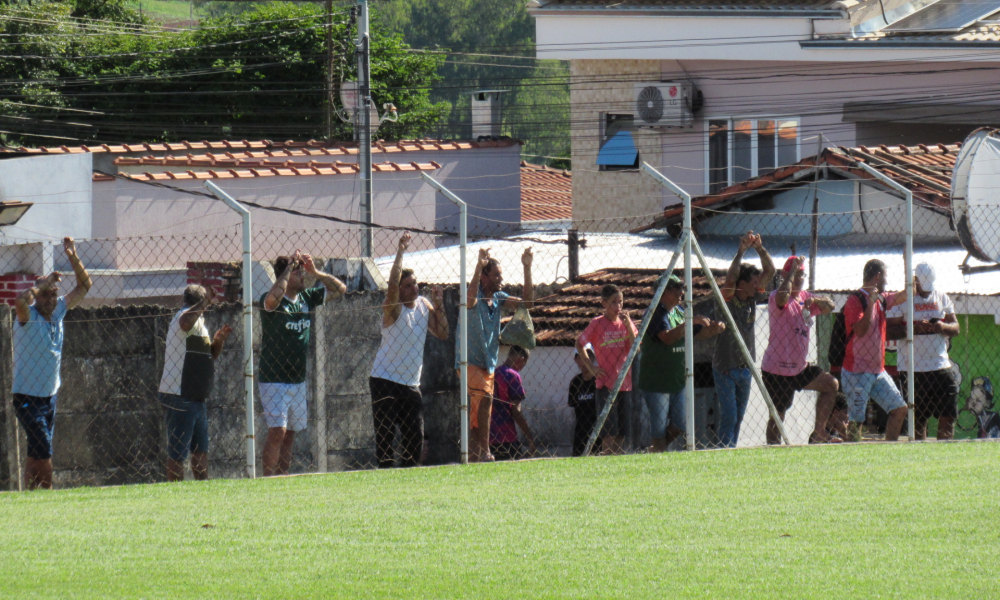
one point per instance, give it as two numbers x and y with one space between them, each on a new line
908 282
251 462
463 315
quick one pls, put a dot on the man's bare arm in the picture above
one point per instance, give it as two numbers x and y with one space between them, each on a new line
277 291
219 340
438 325
391 308
83 282
332 284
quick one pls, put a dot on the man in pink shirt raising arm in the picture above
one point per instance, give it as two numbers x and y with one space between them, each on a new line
784 369
864 375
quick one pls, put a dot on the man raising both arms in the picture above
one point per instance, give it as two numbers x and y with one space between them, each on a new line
286 319
38 342
407 317
784 369
485 301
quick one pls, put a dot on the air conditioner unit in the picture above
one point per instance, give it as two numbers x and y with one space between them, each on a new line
664 104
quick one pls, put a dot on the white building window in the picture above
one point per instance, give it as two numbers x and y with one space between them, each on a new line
738 149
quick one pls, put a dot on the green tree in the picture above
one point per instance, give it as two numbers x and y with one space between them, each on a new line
536 109
259 75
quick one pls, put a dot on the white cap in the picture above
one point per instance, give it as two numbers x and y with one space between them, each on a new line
926 276
588 346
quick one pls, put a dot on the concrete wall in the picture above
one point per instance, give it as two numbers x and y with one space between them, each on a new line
600 87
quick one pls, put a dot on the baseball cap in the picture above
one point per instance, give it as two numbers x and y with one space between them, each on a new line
926 276
789 263
588 348
674 282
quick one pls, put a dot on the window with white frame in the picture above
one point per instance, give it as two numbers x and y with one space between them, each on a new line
739 149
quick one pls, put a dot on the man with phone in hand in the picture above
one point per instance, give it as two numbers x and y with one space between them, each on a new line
286 318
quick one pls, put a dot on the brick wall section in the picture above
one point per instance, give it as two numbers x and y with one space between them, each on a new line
12 284
606 86
223 277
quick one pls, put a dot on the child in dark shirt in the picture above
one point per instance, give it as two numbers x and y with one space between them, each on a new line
583 401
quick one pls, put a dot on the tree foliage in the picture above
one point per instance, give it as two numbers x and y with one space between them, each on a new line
259 75
536 108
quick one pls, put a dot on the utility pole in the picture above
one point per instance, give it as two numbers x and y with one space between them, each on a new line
365 129
328 117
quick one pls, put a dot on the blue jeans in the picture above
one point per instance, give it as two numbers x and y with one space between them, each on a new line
664 409
187 426
733 389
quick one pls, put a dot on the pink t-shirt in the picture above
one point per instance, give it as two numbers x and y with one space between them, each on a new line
611 346
791 326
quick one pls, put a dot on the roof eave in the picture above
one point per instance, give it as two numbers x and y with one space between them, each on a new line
686 12
897 44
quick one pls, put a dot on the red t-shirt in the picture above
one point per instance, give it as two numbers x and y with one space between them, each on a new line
611 347
865 354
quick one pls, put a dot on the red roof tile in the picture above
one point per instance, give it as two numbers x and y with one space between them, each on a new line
546 194
560 318
332 148
923 169
251 169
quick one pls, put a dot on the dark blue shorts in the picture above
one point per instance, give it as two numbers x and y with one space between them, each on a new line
187 426
38 417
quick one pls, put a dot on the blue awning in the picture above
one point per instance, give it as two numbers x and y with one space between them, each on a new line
619 151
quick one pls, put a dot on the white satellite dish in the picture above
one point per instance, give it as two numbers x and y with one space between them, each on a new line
975 194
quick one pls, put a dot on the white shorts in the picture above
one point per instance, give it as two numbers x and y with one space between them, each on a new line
284 405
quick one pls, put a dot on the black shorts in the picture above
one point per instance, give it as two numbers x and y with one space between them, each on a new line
935 393
782 388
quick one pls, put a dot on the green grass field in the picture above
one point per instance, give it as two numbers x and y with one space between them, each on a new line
858 521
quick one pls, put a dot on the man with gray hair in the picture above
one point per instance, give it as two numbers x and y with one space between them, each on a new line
188 376
38 341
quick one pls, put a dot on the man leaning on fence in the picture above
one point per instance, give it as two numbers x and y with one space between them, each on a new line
188 375
863 376
395 377
744 289
485 301
38 342
935 386
286 319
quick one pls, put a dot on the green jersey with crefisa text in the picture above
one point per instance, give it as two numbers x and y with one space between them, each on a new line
284 342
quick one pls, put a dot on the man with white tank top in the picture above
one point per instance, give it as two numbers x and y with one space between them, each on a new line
395 378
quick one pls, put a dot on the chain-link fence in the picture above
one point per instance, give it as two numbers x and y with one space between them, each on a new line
355 359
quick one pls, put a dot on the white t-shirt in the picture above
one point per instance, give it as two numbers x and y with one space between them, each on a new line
187 360
400 358
930 351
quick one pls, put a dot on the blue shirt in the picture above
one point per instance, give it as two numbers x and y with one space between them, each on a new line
484 332
38 352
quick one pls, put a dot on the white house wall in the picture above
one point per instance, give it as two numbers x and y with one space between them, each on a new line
155 227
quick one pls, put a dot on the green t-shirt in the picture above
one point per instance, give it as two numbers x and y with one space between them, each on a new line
284 342
661 366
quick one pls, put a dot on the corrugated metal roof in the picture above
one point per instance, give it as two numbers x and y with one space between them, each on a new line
924 169
839 265
546 193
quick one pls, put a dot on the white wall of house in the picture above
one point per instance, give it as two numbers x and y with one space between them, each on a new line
59 187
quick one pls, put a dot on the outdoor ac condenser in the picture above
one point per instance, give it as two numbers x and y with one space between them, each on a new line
665 104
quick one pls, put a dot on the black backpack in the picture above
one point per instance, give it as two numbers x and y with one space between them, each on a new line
840 336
